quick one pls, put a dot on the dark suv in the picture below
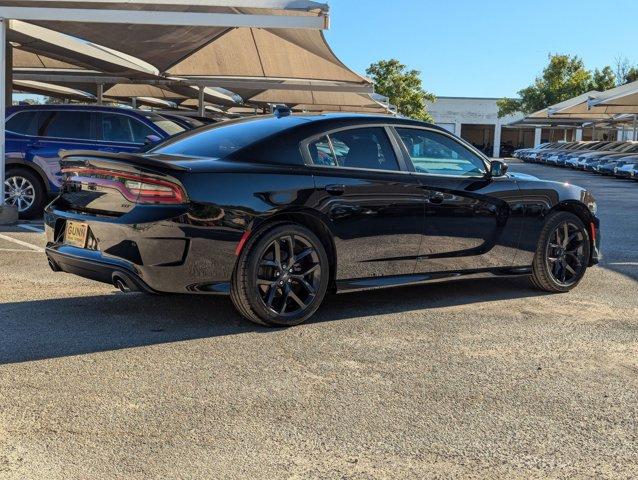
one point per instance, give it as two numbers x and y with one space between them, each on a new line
36 133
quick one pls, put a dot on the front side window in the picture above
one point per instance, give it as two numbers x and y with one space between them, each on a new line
367 148
122 128
69 124
437 154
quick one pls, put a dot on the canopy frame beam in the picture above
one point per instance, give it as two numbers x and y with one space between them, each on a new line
157 17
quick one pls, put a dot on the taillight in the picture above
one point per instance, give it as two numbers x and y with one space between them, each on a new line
136 188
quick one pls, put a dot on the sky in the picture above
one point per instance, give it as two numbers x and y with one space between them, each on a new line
481 48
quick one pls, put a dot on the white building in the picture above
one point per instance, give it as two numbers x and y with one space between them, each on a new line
476 120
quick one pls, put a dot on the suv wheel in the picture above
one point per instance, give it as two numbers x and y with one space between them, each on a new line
24 189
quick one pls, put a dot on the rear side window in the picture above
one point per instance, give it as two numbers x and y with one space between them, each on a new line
115 127
24 123
69 124
368 148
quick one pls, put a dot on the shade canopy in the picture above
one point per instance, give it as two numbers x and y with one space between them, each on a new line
51 90
622 99
249 61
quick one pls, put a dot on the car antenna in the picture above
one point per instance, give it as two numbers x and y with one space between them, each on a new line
280 111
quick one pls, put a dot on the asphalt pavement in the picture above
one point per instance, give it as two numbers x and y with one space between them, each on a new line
471 379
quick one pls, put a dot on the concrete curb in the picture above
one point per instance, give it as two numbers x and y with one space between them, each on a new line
8 214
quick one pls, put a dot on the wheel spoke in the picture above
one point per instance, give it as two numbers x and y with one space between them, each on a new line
284 302
552 259
268 263
312 290
263 281
565 234
277 253
297 299
303 254
570 269
271 295
312 269
291 250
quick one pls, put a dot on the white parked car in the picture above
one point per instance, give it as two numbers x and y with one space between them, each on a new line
629 170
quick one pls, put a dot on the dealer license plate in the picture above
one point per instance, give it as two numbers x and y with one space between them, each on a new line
76 233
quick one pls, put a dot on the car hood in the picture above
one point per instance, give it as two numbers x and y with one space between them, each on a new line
521 176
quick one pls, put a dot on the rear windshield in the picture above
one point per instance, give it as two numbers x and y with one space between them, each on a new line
164 124
222 139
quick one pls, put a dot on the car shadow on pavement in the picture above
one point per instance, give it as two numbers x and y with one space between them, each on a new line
40 329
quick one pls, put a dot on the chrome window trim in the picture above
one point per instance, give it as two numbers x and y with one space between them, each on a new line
305 152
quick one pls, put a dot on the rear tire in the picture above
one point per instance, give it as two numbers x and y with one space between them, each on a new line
24 189
562 253
281 276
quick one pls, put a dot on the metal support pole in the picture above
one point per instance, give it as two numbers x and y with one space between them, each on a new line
134 103
200 102
3 85
635 131
100 93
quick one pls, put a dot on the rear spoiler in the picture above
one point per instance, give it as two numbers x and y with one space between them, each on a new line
136 159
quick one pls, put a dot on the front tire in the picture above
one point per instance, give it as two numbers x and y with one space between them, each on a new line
562 253
281 276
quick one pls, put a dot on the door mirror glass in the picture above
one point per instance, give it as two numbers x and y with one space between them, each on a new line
152 139
498 168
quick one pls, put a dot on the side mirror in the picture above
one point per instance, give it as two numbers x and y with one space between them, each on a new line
151 139
498 168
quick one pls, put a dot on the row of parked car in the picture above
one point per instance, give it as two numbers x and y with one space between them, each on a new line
619 159
35 134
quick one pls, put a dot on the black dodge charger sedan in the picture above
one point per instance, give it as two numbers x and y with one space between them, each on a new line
277 210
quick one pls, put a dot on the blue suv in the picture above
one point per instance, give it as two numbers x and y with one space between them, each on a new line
36 133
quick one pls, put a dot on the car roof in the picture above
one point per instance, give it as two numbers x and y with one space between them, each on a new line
75 106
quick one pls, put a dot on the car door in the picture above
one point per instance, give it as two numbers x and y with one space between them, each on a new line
120 132
471 220
60 129
373 205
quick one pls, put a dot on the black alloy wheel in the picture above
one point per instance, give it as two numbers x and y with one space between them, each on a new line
562 254
281 276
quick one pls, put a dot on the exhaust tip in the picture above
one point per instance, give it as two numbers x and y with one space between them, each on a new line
54 266
123 283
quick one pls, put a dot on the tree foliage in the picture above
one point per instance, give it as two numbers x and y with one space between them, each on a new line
563 78
403 87
625 72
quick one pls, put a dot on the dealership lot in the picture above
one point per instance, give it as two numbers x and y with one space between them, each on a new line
473 378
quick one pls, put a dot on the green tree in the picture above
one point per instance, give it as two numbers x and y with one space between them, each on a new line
403 87
631 75
563 78
603 79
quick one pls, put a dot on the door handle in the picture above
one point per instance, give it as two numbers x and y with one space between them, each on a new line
335 189
436 197
34 144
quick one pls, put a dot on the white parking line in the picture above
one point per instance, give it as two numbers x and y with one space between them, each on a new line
20 242
633 264
30 227
17 250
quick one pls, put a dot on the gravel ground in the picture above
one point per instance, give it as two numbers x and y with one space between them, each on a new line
473 379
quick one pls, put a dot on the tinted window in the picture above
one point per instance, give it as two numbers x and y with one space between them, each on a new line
24 123
222 139
321 152
367 148
438 154
116 127
69 125
166 125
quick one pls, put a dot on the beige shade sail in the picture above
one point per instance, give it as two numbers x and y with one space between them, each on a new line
138 90
29 60
619 100
298 97
73 51
162 46
51 90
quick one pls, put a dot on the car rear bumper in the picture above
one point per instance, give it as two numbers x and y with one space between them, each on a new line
166 256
